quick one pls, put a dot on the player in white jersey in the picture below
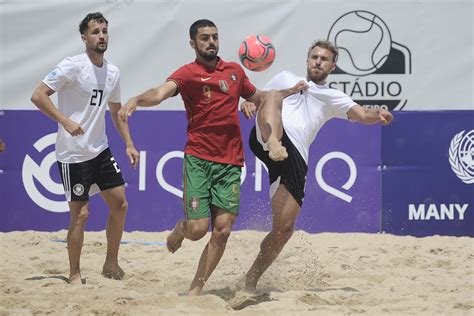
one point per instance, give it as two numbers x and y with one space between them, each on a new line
86 85
307 104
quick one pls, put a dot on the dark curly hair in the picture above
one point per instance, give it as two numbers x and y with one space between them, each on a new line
97 16
196 25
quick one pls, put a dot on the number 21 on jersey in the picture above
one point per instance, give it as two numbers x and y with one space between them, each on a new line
96 97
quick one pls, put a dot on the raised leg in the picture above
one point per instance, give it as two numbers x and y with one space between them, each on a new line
271 127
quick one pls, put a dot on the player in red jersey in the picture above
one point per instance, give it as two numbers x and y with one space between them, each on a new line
210 89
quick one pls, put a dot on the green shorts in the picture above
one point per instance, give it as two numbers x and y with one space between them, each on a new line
209 183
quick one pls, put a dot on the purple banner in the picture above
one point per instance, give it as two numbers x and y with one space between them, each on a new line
428 174
343 191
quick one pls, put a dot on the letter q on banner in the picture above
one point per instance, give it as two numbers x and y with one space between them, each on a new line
349 183
31 170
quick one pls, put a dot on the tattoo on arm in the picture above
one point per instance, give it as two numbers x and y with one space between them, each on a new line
268 129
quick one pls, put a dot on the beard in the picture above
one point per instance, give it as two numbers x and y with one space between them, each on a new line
208 55
317 77
100 48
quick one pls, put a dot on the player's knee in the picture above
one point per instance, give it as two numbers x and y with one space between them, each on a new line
195 232
82 218
123 206
221 234
285 232
120 208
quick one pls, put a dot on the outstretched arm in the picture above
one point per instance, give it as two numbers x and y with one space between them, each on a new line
299 86
369 116
149 98
41 99
249 108
122 127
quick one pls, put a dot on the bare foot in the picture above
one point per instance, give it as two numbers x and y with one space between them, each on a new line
242 299
113 271
195 292
196 287
175 238
244 285
75 279
276 151
250 285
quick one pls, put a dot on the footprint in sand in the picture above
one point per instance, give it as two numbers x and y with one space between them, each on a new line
243 299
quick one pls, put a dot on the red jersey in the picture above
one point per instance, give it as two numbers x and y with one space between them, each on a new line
211 98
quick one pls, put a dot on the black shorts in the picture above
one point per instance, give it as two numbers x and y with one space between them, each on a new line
292 171
78 178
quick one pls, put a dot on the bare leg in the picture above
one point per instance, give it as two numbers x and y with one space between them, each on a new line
192 229
176 237
271 127
79 212
117 203
285 209
221 227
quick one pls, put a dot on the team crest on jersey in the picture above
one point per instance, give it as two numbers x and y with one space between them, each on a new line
78 189
233 77
223 85
194 204
235 188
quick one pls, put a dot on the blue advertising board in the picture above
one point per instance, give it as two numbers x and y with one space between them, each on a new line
342 192
428 174
413 177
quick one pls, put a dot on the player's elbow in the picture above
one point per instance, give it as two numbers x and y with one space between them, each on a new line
36 97
41 93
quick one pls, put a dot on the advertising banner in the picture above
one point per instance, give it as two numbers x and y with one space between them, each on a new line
342 191
428 174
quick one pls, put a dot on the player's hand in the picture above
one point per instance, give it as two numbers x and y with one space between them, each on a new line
127 110
248 108
133 156
300 86
385 117
73 128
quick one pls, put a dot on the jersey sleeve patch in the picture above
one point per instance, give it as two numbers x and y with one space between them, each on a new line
62 75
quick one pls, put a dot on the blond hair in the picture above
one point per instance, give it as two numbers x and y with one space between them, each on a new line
327 45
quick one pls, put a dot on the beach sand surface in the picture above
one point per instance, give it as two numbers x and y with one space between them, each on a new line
316 274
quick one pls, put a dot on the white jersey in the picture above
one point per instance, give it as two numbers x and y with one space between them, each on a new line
84 91
304 114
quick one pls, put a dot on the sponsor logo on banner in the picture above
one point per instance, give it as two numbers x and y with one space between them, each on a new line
32 171
371 67
51 194
461 156
346 186
426 212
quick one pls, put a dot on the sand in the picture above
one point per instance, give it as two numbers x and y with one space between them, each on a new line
316 274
